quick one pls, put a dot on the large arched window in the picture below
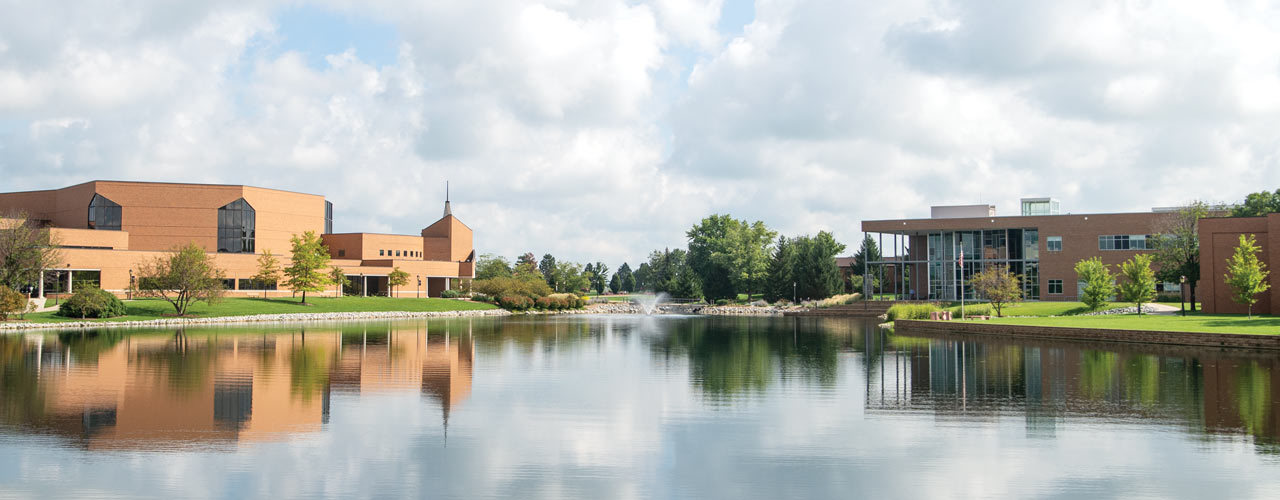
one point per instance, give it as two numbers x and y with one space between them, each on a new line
236 223
104 214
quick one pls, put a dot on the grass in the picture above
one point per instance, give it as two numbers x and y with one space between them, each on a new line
147 309
1193 322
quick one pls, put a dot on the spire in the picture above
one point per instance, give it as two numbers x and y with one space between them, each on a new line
447 211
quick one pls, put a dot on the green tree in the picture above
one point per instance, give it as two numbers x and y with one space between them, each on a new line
268 271
182 276
26 250
492 266
396 279
527 259
642 275
1140 283
629 283
868 252
339 278
817 275
547 266
310 255
615 284
570 278
1246 275
626 280
782 264
999 286
729 256
11 303
1177 245
1099 283
598 275
1258 204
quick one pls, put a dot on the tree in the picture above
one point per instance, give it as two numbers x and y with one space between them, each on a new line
1246 275
1177 245
527 259
998 286
547 266
1140 285
782 266
492 266
615 284
570 278
626 280
1099 282
729 256
182 276
868 252
642 275
268 271
339 278
26 250
597 275
310 255
629 283
396 279
12 302
1258 204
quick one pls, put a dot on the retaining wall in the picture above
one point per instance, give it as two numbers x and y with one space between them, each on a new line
1244 341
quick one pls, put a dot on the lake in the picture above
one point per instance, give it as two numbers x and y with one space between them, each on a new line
627 407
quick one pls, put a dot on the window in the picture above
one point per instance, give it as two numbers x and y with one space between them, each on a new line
249 284
104 214
1053 243
397 253
1055 287
1124 242
342 253
328 217
236 223
380 253
229 283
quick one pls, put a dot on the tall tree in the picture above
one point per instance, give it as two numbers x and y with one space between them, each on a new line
310 256
599 276
615 283
547 266
642 275
26 250
527 259
1177 244
1246 275
492 266
729 256
781 283
1258 204
570 278
626 280
748 256
868 252
999 286
629 283
1099 282
182 276
1140 282
268 271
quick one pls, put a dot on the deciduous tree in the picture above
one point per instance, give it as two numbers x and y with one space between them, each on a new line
396 279
339 278
1177 244
268 271
1258 204
310 256
492 266
182 276
1099 283
1246 275
999 286
26 249
1140 280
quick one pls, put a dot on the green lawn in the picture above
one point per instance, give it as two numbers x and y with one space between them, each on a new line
1212 323
139 310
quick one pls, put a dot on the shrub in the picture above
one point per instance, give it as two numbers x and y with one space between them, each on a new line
480 297
450 294
568 300
1169 297
515 302
839 300
92 303
972 310
11 302
502 286
722 302
910 311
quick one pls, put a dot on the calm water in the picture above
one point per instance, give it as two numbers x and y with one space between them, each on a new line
621 407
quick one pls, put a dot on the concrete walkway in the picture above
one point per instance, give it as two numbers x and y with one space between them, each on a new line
1163 309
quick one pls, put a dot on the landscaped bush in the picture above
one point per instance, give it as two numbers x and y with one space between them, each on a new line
570 300
972 310
839 300
480 297
910 311
722 302
515 302
450 294
502 286
1169 297
11 302
92 303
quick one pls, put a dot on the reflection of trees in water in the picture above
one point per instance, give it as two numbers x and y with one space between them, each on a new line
187 362
1253 397
21 397
735 356
87 345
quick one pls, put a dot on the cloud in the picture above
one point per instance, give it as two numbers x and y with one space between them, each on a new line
601 130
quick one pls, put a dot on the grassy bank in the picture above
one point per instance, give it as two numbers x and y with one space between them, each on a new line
142 310
1210 323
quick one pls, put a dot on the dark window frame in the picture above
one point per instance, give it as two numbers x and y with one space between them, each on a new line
104 214
237 227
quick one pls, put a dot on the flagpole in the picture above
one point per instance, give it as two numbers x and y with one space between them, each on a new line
962 282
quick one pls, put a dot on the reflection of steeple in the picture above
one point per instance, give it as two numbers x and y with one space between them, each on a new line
446 374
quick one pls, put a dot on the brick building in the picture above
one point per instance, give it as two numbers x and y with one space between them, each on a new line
1042 245
1219 237
107 229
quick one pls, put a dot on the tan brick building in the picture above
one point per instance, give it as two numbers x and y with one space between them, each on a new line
107 229
1043 248
1219 237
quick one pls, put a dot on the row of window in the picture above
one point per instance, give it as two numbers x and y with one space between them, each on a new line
1125 242
393 253
247 284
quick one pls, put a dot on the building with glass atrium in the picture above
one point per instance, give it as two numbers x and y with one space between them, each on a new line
1042 245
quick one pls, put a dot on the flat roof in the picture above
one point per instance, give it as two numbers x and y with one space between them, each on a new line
164 183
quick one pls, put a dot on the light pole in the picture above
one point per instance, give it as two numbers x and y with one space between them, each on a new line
419 286
131 284
793 292
1182 294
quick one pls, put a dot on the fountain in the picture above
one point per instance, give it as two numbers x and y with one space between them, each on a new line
649 303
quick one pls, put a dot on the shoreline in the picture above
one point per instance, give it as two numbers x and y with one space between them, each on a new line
1196 339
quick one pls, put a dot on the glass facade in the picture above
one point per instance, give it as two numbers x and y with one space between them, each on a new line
1125 242
104 214
328 217
236 222
1017 248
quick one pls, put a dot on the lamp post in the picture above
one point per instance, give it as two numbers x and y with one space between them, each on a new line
131 284
1182 295
793 292
419 286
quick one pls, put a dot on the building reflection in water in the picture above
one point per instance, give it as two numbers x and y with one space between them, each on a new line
1226 392
111 390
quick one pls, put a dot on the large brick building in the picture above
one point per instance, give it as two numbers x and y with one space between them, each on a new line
1219 237
1042 245
107 229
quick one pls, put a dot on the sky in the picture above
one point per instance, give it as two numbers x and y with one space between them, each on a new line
599 130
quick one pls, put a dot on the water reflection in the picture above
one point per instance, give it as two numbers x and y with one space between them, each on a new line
109 389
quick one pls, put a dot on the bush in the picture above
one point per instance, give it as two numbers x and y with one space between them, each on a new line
1169 297
11 302
569 300
480 297
515 302
450 294
503 287
910 311
839 300
92 303
722 302
972 310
